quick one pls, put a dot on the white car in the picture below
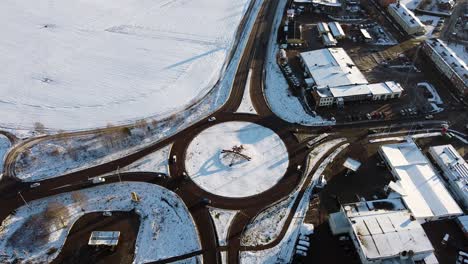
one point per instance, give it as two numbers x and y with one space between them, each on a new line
34 185
97 180
211 119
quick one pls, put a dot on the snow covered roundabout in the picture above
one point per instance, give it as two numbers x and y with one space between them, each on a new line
236 159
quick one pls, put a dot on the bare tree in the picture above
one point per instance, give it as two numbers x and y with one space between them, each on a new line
56 212
79 198
39 127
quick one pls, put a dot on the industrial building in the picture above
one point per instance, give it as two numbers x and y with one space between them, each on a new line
322 28
383 231
334 79
336 30
448 63
406 19
328 40
417 183
455 170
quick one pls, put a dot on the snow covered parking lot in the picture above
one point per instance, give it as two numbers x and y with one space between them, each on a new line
81 64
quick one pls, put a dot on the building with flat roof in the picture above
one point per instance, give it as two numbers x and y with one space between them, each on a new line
455 170
417 182
336 30
448 63
365 35
336 79
328 40
406 19
383 231
104 238
322 28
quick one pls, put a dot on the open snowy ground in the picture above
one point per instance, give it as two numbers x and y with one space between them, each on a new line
230 174
222 219
5 144
82 64
166 228
158 161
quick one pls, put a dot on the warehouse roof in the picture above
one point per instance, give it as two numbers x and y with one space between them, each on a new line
406 15
386 233
385 88
417 182
332 68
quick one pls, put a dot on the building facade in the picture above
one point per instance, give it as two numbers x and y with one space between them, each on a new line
448 63
406 19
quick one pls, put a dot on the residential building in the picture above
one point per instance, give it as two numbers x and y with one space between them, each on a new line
406 19
455 170
383 231
448 63
417 183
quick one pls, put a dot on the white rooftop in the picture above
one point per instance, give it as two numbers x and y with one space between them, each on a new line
107 238
421 188
386 233
352 164
323 27
332 67
454 167
450 58
385 88
365 33
406 15
334 3
350 90
336 29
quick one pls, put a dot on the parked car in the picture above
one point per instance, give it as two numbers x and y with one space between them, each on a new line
35 185
429 117
211 119
97 180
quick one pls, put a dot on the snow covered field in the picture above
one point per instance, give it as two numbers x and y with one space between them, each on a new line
232 175
166 227
222 220
5 144
83 64
266 226
157 161
246 105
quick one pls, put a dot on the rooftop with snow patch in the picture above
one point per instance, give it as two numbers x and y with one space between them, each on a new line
450 58
332 68
419 185
386 233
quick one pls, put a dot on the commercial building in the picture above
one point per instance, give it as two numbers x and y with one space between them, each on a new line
328 40
322 6
383 231
336 30
417 183
322 28
337 80
455 170
365 35
406 19
448 63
